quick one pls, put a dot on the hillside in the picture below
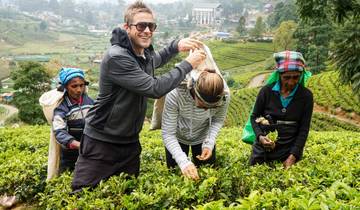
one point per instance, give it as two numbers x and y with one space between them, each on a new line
25 37
326 92
17 29
231 56
327 177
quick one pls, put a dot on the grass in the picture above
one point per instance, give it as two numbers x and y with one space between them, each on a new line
230 56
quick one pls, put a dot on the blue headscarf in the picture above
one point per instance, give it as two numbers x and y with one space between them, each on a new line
66 74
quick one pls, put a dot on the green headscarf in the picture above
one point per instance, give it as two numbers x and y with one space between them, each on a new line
275 76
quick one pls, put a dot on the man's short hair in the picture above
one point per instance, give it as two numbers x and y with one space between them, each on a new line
135 8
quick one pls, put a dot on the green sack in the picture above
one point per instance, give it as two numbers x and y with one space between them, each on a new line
248 134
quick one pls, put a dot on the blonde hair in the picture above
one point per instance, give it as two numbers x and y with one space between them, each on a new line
210 83
135 8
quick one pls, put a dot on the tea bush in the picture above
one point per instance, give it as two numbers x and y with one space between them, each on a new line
23 155
327 177
330 93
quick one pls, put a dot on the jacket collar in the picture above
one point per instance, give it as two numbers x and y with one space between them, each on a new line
70 102
121 38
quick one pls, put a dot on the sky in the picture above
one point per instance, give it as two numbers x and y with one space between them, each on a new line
155 1
128 1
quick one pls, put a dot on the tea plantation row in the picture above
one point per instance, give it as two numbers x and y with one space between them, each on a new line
327 177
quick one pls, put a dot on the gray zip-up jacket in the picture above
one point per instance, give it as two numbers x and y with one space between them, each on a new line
126 80
183 122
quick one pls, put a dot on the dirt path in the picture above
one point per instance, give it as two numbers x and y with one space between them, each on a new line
10 111
257 81
340 115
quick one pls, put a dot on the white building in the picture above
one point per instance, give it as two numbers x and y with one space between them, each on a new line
251 18
268 8
8 4
207 13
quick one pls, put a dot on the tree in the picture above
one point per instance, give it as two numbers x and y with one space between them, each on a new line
313 40
30 81
283 38
345 54
259 28
345 50
43 25
53 66
283 11
241 26
338 10
314 37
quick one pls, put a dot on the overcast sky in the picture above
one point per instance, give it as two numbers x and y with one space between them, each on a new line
129 1
158 1
155 1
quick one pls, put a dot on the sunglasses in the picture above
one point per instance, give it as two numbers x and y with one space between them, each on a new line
141 26
288 77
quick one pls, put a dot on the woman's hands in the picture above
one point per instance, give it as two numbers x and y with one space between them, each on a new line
190 171
266 143
289 161
270 145
206 154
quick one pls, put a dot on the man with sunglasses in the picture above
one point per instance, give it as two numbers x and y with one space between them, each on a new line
287 106
110 144
192 119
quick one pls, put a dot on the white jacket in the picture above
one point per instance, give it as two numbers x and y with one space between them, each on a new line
183 122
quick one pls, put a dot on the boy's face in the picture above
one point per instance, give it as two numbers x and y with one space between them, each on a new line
140 37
